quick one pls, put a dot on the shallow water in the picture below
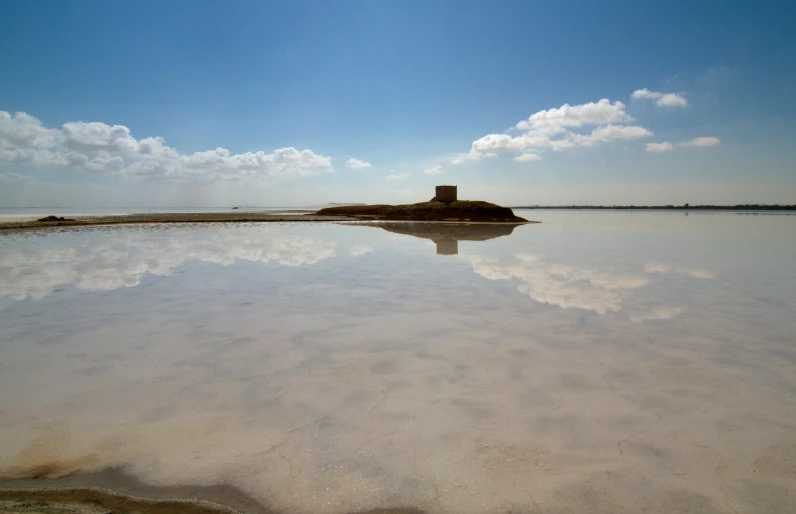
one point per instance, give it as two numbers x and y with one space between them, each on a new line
8 214
597 362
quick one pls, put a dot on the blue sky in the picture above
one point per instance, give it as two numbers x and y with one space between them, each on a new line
126 104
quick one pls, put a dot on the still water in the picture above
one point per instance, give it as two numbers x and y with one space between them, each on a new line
597 362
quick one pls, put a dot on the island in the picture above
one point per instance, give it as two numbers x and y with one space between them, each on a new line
445 206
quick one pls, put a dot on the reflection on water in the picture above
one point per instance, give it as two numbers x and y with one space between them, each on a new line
586 364
91 262
564 286
447 235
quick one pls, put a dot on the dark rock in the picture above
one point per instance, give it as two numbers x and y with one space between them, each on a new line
55 218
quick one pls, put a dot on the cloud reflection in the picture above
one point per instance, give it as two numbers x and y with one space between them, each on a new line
658 313
122 262
563 286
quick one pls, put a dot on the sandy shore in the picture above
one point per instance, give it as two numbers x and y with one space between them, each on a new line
193 217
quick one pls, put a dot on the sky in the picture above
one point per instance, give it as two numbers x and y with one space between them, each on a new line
212 104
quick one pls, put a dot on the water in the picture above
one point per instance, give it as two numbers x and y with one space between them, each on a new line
597 362
8 214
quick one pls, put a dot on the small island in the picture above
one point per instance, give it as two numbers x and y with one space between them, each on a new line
445 206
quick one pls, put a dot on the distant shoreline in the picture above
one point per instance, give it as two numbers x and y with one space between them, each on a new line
159 218
750 207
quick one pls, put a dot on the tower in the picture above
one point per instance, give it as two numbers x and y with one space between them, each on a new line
446 194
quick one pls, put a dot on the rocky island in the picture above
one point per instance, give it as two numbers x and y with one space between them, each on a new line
445 206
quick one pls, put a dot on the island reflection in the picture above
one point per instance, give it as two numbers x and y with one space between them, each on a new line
447 235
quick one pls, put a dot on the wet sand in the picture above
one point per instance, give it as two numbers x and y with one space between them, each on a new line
113 491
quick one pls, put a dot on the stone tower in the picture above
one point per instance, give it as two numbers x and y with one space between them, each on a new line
446 194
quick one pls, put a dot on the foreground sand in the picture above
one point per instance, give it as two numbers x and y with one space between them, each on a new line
113 491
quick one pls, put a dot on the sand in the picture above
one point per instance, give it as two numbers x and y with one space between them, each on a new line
113 491
193 217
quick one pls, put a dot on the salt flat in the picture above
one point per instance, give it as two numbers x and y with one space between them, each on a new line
596 362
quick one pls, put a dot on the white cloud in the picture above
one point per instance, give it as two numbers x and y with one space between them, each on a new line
434 170
11 178
608 133
659 147
27 156
111 149
398 176
471 156
97 137
698 142
552 129
24 131
553 121
281 164
356 164
661 99
527 157
701 142
498 143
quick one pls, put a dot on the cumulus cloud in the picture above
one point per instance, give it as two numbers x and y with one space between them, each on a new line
661 99
659 147
97 137
24 131
471 156
553 121
555 129
702 142
11 178
111 149
609 133
697 142
434 170
356 164
398 176
527 157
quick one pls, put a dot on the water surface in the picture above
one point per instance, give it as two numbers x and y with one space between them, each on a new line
597 362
